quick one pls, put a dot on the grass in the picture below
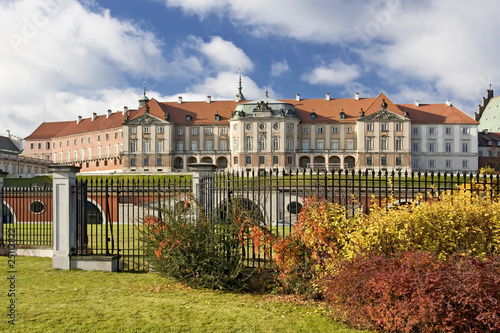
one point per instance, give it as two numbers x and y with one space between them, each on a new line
50 300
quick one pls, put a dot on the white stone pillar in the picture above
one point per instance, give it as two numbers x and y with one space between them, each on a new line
202 173
64 221
3 174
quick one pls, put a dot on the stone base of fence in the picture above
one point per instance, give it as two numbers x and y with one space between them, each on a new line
95 263
45 252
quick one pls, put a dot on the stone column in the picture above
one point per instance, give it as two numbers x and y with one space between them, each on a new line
3 174
64 222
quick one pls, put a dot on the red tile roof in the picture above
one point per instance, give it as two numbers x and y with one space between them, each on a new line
436 114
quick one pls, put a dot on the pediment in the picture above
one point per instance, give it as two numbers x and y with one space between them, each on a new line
383 115
146 119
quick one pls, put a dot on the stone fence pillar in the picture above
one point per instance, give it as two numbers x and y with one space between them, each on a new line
203 174
3 174
64 223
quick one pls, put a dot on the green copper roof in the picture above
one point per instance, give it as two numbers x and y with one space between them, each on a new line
490 119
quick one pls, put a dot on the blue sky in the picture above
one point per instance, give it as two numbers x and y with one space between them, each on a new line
64 58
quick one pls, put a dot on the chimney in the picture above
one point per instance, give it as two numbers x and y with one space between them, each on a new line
448 103
79 120
125 109
417 103
327 96
94 116
209 99
297 97
109 113
7 133
179 100
356 96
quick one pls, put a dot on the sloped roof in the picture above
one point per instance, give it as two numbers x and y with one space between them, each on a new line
7 146
490 118
436 114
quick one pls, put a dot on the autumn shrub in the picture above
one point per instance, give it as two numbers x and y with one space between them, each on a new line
320 232
455 223
417 292
184 245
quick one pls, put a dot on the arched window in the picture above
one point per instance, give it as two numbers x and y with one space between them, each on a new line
276 142
262 143
248 143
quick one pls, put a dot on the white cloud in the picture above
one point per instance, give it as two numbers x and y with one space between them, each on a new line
222 54
336 73
279 68
59 48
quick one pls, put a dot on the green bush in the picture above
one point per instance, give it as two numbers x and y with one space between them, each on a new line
183 245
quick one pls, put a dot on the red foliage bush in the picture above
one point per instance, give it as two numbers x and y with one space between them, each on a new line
416 292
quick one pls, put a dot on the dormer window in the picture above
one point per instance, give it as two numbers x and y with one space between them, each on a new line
217 117
188 118
313 115
342 114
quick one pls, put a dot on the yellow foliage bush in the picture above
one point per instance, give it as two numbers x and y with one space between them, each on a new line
455 223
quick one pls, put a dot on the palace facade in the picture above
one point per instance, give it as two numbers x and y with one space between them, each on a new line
329 133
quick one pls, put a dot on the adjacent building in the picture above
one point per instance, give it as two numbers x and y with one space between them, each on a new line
488 116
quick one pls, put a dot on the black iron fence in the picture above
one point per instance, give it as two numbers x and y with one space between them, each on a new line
110 212
274 198
27 213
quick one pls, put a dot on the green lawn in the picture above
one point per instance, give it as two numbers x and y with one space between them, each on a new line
82 301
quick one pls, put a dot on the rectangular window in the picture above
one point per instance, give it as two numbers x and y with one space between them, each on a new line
369 160
384 127
432 130
82 140
432 163
383 160
320 130
383 144
349 129
275 159
116 149
447 130
159 146
107 151
414 130
447 147
194 145
99 151
146 130
369 127
82 153
194 131
432 147
159 130
305 144
399 144
448 164
289 143
289 127
305 129
159 161
335 129
465 130
133 146
39 145
414 147
133 130
74 142
335 144
262 159
320 145
67 142
75 158
32 146
223 131
133 162
465 164
208 131
209 145
289 160
180 131
235 144
146 146
89 154
223 145
465 147
248 160
107 136
399 160
415 163
146 161
399 126
179 145
369 143
349 145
